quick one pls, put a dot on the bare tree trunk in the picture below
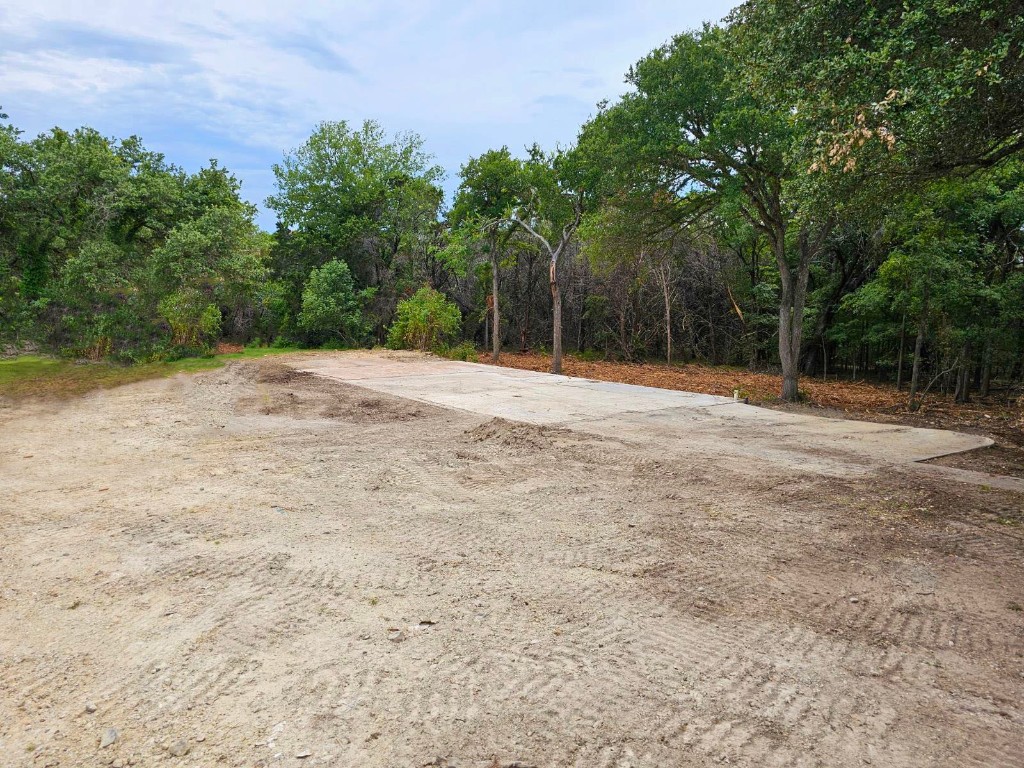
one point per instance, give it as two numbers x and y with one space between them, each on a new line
963 383
524 335
579 326
790 369
791 312
915 376
668 329
556 311
899 360
986 369
662 273
556 295
495 326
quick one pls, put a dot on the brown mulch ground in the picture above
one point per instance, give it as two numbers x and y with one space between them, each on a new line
860 400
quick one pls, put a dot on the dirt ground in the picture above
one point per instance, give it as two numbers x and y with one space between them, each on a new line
254 567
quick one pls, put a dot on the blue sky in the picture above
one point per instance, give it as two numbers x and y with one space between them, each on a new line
244 81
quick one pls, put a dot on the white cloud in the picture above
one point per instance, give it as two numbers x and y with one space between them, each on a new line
249 79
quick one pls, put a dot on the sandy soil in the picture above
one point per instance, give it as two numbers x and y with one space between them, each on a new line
257 568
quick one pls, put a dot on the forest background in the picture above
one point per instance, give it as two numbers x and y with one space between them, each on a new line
821 189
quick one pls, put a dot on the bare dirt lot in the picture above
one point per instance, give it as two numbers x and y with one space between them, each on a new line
257 567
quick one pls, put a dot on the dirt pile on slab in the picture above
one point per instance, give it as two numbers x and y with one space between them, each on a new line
270 372
516 434
281 390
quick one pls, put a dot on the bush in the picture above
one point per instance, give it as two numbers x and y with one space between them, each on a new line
331 306
425 321
194 321
465 352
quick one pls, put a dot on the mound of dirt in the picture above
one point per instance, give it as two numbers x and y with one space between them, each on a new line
514 434
373 410
285 391
996 459
274 372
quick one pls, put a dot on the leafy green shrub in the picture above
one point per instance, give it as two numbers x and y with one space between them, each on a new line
425 321
331 307
464 351
194 321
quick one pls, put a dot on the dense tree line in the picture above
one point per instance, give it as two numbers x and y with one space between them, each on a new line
832 187
108 250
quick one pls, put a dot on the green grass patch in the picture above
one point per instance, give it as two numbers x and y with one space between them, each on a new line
32 376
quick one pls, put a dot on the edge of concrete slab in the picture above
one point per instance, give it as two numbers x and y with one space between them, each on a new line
971 477
971 442
369 370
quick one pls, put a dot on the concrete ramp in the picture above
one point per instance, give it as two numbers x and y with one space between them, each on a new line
707 427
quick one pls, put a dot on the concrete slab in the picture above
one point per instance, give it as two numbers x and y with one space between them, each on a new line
706 426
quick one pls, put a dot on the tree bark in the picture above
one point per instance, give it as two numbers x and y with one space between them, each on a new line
790 369
556 295
899 360
556 312
524 334
986 370
662 273
963 382
495 326
915 376
791 310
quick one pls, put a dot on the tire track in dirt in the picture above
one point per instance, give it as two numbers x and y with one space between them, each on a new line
735 732
758 669
32 681
965 541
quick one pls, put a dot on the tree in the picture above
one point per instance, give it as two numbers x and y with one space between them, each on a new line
424 321
888 97
491 186
193 321
549 208
220 253
952 272
359 196
103 242
913 89
619 232
694 136
331 305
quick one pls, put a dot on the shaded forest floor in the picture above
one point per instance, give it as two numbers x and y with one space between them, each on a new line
864 401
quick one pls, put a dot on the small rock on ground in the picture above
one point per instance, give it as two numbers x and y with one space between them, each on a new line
179 748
